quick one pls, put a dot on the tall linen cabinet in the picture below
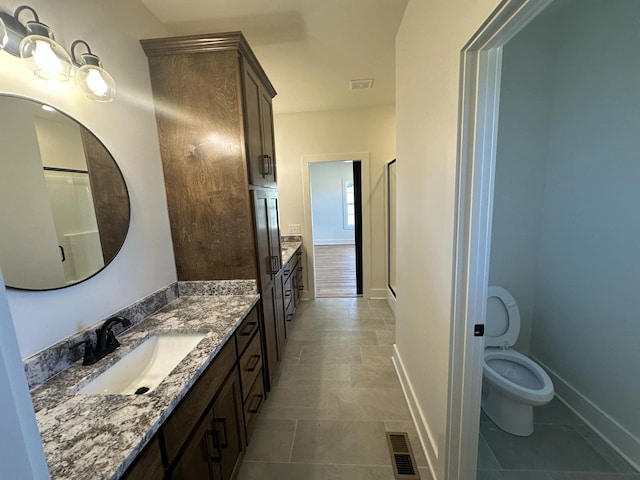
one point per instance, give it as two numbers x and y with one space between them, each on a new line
215 124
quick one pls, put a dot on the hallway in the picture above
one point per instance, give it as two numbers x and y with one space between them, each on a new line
336 394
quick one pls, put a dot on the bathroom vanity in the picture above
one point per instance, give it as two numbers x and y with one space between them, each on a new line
208 403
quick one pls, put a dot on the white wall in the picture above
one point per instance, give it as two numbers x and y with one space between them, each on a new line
21 453
327 202
521 159
428 48
340 131
586 326
127 128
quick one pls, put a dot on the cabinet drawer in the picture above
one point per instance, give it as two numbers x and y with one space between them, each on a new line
186 415
250 365
253 405
247 328
148 465
287 269
288 292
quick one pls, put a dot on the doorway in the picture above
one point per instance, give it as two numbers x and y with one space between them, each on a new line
362 210
570 173
336 219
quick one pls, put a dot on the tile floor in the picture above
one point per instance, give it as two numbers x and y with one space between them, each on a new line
335 395
562 447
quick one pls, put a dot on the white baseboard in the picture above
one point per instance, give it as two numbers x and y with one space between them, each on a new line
614 434
391 300
377 293
429 447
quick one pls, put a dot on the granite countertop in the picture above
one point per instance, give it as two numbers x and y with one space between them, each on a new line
288 249
99 436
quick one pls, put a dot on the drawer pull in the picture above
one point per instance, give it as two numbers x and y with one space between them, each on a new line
213 435
299 269
223 423
256 360
251 327
287 293
287 272
289 317
259 396
301 287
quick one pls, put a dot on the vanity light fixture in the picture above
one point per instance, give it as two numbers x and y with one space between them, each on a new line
94 81
46 57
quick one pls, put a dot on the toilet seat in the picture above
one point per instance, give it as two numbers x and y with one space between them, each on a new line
502 323
539 394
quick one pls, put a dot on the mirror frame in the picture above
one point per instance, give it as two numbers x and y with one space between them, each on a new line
121 176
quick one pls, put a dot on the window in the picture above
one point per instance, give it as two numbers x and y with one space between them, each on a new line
348 204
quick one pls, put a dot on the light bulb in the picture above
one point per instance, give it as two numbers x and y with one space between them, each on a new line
4 37
45 58
96 83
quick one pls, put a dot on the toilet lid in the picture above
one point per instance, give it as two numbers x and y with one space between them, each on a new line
502 324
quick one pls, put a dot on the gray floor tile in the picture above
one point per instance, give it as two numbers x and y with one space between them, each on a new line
512 475
358 472
551 447
377 355
367 404
331 354
386 337
374 376
310 374
609 454
271 440
593 476
486 458
342 337
555 412
340 442
281 471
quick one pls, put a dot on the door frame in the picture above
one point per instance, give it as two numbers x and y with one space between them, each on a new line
480 67
307 227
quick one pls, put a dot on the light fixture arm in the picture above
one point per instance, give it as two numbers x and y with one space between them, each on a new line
87 58
21 8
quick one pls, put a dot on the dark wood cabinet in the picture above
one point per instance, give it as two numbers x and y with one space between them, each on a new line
259 130
228 428
148 465
197 459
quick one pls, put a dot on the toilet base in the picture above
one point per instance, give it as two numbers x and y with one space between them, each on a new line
509 415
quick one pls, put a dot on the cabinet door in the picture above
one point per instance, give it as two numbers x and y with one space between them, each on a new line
268 149
196 460
266 259
280 311
270 332
257 163
228 423
274 229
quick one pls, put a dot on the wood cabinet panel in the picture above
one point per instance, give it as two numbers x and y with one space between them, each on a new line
228 426
196 461
253 406
250 364
199 119
270 341
148 465
186 415
247 329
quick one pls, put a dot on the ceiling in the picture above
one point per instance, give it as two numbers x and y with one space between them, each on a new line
310 49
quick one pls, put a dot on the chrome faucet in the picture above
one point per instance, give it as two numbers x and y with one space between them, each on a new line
106 342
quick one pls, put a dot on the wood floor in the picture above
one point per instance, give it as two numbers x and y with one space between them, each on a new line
335 271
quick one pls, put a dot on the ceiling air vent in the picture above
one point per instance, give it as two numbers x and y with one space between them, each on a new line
362 84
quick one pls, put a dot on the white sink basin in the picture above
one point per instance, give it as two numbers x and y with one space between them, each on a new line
144 367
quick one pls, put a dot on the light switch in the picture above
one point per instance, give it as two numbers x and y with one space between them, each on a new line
295 229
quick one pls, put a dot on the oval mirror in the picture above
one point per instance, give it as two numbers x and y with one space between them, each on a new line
64 205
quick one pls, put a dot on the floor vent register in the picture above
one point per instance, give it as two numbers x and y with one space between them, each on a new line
402 459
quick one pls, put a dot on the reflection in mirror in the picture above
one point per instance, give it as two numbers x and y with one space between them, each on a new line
391 226
64 206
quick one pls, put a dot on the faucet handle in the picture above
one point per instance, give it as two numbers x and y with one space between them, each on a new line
89 352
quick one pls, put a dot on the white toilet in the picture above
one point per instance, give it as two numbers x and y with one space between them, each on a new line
512 384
